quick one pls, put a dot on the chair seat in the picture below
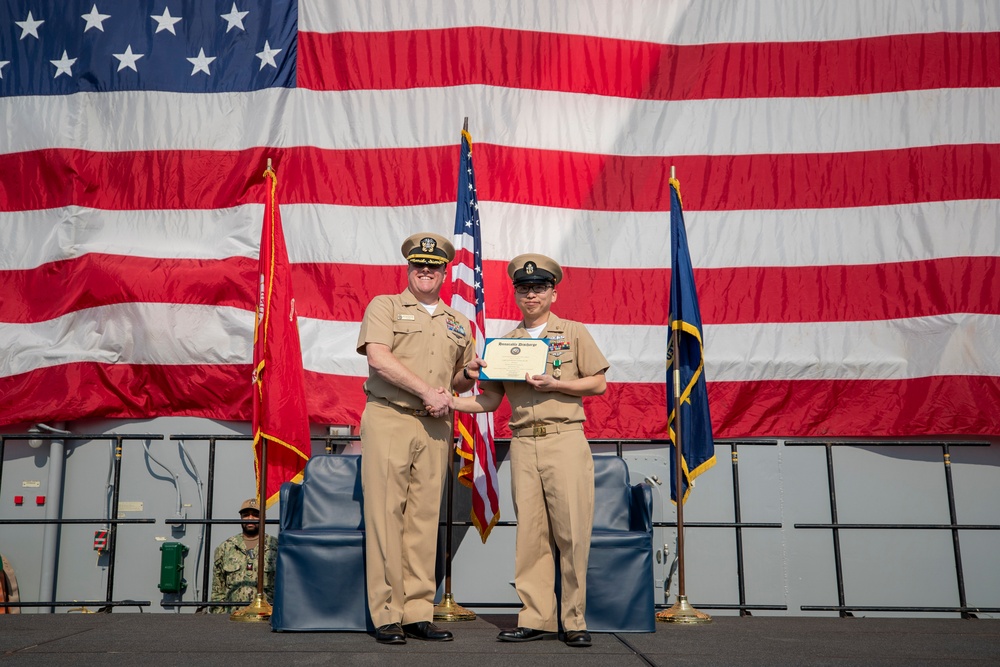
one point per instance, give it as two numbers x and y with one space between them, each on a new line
325 538
617 540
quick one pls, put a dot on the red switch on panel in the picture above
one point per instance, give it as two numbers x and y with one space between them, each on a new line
39 500
18 500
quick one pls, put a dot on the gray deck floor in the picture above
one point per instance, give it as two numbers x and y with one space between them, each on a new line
189 639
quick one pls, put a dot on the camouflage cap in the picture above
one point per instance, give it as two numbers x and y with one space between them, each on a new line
250 505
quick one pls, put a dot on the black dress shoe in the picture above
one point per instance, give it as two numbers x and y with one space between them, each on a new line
523 635
427 631
390 634
579 638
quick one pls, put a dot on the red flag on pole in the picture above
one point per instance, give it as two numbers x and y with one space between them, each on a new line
279 397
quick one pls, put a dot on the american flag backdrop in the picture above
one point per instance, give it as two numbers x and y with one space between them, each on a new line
840 162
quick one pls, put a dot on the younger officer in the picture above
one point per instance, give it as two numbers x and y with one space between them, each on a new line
234 577
552 470
418 350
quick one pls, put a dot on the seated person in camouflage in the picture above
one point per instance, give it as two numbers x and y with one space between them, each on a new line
235 572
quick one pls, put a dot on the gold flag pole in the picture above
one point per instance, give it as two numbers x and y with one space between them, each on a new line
448 609
260 608
681 611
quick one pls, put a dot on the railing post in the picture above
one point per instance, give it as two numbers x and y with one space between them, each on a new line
953 515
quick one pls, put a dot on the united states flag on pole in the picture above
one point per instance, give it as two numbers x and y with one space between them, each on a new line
475 431
841 166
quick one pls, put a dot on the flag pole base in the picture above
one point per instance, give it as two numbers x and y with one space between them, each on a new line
683 612
258 610
449 610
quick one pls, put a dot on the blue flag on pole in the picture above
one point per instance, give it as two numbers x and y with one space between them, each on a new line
697 446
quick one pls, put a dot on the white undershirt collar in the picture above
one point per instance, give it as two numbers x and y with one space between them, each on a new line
535 332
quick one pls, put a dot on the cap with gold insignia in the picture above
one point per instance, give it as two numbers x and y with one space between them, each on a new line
425 248
534 268
250 505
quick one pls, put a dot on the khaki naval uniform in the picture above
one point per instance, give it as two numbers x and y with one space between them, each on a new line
405 453
552 480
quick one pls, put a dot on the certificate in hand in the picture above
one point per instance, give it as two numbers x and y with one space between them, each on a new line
509 359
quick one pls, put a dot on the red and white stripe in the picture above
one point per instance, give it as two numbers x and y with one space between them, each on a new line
839 163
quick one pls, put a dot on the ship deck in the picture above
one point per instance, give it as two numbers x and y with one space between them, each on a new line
189 639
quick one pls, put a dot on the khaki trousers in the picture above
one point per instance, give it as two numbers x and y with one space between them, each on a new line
404 459
552 480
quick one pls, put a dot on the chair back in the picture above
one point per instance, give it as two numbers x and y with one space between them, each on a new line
331 493
612 494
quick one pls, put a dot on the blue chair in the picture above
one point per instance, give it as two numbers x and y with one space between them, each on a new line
320 577
620 570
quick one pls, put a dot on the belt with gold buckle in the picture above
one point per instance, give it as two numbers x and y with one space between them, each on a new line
404 410
539 430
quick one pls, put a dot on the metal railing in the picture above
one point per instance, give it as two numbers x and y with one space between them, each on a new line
118 439
835 527
330 445
338 443
738 525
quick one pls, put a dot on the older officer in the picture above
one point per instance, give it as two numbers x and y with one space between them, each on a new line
418 351
552 470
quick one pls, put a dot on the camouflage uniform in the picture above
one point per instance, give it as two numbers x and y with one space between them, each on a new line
235 573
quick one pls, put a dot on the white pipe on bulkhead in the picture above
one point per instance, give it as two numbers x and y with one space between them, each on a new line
53 510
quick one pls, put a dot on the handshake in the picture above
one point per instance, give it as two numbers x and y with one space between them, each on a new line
440 402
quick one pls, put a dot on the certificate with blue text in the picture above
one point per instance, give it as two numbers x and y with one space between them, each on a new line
509 359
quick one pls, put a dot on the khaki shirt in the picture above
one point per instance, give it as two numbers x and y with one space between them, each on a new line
434 347
579 356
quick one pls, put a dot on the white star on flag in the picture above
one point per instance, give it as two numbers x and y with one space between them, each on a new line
3 63
94 19
29 26
267 55
235 19
127 59
165 21
63 65
201 62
